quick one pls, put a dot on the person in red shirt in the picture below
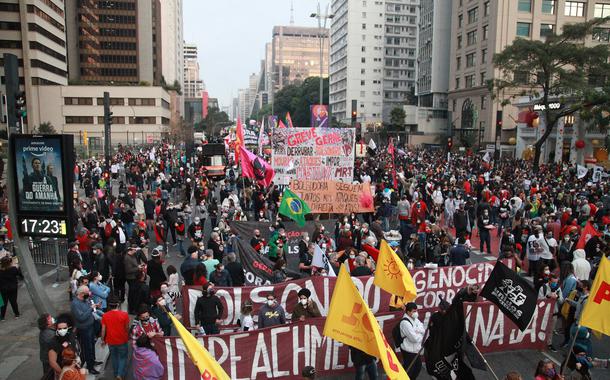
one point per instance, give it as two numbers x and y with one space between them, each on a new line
115 333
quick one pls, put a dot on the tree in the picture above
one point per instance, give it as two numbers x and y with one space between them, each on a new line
397 118
46 128
297 98
560 68
214 120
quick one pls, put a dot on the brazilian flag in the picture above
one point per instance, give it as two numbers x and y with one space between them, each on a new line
294 207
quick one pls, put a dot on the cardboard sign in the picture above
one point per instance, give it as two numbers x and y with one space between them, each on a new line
334 197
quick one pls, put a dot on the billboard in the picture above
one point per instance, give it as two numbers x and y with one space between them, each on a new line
319 116
42 167
313 154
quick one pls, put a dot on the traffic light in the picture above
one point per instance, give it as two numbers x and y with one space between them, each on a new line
498 120
20 107
354 112
449 143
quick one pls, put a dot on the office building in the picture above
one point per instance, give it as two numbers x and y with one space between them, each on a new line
481 28
295 54
114 41
372 58
172 55
193 84
34 31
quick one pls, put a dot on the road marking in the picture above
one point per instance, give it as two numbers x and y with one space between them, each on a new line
490 258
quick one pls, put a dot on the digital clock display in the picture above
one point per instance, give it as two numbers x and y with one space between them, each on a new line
33 226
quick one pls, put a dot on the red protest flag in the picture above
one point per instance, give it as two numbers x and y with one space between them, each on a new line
239 139
281 125
587 233
289 120
255 167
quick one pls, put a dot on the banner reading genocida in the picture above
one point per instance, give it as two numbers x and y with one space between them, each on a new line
334 197
313 154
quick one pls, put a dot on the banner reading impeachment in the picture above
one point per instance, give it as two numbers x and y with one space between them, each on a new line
330 196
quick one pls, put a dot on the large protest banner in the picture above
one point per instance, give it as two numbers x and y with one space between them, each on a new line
431 284
293 235
313 153
281 352
251 132
333 196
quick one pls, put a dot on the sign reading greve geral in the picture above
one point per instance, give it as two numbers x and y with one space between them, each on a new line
42 166
334 197
313 154
281 352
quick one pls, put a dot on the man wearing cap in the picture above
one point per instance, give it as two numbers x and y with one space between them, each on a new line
155 270
412 333
196 230
306 308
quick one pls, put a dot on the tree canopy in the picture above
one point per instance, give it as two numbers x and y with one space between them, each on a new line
297 98
559 68
46 128
213 122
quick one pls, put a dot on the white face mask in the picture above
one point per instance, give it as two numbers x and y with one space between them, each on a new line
303 301
99 278
352 256
161 302
415 315
410 266
270 302
62 332
52 320
547 272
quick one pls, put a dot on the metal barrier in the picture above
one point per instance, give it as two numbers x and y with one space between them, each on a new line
43 251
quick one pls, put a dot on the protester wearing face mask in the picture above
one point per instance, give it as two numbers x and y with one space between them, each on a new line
305 256
220 276
46 339
159 311
64 338
144 324
208 310
257 242
82 310
271 313
99 290
546 371
305 308
412 334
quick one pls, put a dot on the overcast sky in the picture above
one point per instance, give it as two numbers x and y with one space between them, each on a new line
231 36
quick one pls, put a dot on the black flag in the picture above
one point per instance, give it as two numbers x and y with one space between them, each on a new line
258 268
513 295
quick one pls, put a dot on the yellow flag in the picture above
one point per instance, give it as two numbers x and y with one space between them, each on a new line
207 365
350 322
596 313
392 275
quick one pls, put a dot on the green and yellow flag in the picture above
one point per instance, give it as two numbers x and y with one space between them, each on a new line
294 207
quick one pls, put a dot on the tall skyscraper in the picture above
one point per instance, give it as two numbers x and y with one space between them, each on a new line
172 41
481 28
372 58
193 84
295 53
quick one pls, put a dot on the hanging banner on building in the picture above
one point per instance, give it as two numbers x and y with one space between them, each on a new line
319 116
313 154
281 352
334 196
432 284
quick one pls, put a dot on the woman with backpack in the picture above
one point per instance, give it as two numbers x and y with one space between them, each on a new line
411 337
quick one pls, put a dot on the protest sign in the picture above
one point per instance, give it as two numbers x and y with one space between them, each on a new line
319 116
313 154
281 352
251 132
328 196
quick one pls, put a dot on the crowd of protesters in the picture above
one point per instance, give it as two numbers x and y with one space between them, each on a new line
434 208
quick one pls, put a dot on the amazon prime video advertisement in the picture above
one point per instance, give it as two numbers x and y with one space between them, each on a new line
39 169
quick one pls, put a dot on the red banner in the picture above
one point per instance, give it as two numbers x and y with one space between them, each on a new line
281 352
431 284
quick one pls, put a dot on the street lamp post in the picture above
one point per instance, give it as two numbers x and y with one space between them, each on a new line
322 16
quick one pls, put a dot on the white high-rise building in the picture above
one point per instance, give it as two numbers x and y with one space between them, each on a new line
172 59
193 84
372 58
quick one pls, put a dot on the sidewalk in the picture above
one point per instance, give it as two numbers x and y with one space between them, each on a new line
19 348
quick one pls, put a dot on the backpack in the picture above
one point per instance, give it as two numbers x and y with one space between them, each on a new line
396 335
108 229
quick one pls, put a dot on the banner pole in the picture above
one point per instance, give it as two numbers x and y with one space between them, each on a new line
485 360
565 362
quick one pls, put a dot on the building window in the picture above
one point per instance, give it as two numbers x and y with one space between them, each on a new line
165 104
574 9
457 83
483 102
363 26
453 105
471 38
546 30
469 81
602 10
458 63
142 120
521 77
460 21
362 83
115 120
363 60
525 6
79 119
601 34
470 59
486 9
113 101
473 15
482 76
78 101
485 32
459 42
523 29
164 120
548 7
483 55
142 102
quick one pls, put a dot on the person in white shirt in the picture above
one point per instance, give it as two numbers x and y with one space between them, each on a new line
412 332
535 248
